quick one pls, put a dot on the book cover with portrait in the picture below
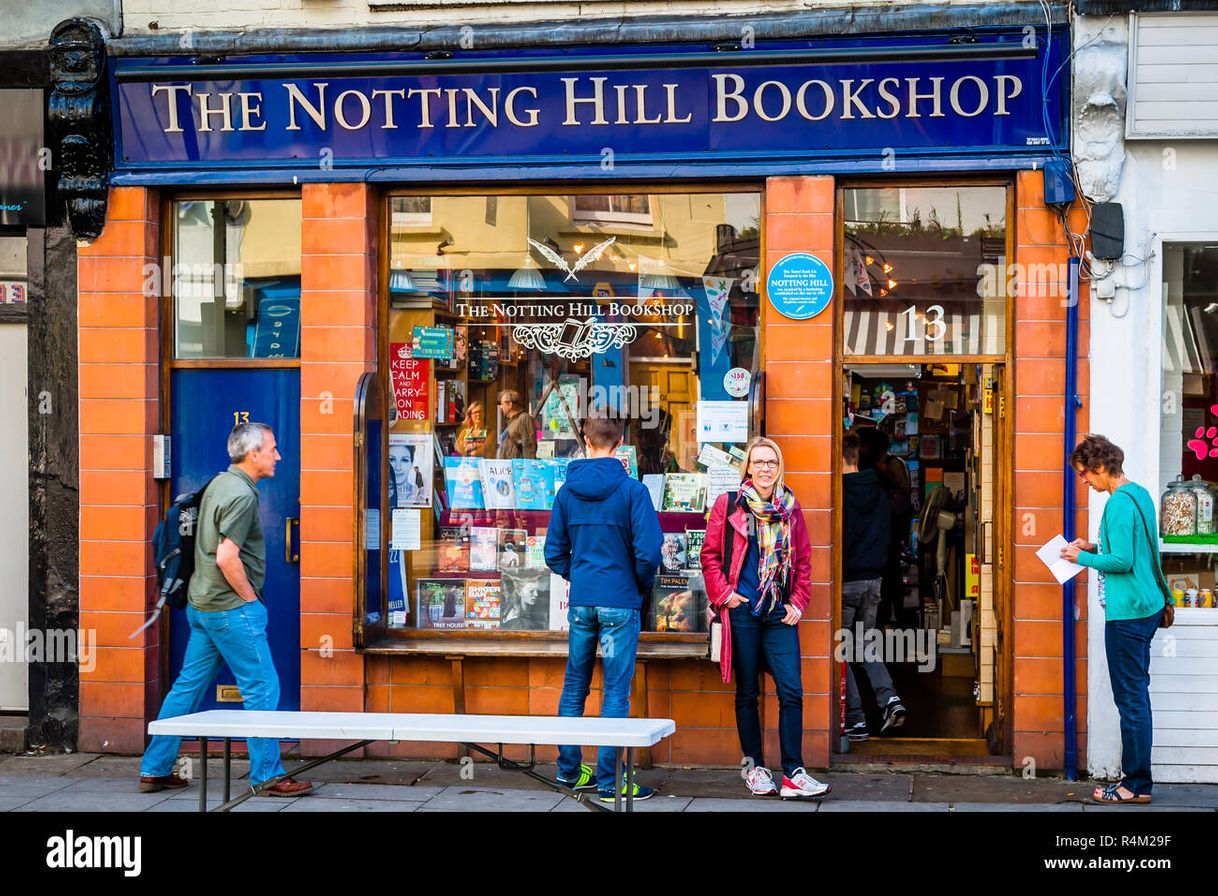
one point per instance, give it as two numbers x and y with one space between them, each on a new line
526 600
440 603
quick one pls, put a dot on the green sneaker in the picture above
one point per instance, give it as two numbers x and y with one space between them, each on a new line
640 793
585 781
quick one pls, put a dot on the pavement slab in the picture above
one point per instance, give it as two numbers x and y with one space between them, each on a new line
31 787
759 804
1017 807
997 789
481 799
830 804
311 804
369 792
95 802
656 804
51 764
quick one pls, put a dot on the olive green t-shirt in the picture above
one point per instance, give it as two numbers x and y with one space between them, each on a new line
229 510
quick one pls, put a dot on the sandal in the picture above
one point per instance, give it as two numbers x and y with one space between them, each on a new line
1111 794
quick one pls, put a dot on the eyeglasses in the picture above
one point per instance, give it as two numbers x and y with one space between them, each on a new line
765 464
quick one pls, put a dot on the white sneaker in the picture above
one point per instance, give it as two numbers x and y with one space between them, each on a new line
760 782
801 784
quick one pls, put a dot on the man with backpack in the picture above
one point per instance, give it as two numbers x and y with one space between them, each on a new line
226 614
604 538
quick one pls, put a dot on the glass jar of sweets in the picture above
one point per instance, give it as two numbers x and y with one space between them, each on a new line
1178 509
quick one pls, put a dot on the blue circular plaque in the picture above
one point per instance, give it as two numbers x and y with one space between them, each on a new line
800 286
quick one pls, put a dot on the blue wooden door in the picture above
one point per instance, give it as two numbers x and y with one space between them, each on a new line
203 406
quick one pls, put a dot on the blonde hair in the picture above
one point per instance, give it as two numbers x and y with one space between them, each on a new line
762 442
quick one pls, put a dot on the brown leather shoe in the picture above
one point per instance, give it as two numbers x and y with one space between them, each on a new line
287 787
151 784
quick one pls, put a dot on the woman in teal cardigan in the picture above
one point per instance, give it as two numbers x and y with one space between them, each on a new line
1127 559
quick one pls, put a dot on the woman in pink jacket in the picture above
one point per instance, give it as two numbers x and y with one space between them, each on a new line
759 592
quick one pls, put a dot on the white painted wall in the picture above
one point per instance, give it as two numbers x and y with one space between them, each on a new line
1169 192
14 516
227 15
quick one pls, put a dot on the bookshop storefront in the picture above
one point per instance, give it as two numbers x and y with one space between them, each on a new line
423 271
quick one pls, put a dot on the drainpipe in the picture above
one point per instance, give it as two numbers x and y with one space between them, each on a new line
1073 403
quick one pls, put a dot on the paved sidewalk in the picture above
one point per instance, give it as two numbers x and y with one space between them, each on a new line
85 782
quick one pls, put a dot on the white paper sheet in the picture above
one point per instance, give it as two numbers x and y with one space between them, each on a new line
1063 570
723 421
407 530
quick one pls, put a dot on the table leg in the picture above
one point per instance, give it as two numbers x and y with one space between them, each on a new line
202 774
228 768
617 779
630 779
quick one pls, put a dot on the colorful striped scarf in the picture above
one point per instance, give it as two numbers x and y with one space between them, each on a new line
773 522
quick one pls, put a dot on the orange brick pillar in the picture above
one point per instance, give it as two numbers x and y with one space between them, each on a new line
800 417
119 357
1040 372
338 344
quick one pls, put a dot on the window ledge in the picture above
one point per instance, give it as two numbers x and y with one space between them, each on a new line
651 646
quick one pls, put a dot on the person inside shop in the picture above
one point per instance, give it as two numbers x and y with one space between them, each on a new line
894 480
865 522
471 437
604 538
759 584
518 438
1135 599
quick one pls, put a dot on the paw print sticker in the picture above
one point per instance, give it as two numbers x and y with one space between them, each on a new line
1198 443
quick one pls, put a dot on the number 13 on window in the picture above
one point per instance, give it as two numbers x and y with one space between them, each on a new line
934 327
240 417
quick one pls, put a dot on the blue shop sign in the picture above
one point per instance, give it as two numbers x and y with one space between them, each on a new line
800 286
885 104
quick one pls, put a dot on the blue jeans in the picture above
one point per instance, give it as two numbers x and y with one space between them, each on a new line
237 637
860 603
617 631
760 644
1127 646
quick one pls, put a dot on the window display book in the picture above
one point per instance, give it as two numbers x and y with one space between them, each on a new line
497 488
676 606
440 603
525 600
483 549
454 549
629 456
510 545
560 603
533 481
463 480
672 552
684 493
694 539
483 599
535 552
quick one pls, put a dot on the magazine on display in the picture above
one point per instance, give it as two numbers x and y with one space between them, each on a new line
497 487
483 549
672 552
654 483
463 479
526 600
482 603
441 603
675 605
510 548
454 549
684 493
560 465
410 469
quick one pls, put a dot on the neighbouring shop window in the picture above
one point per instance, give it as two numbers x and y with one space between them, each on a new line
235 278
551 298
924 271
14 296
1188 446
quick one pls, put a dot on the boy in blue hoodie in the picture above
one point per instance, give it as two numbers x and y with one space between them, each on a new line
604 538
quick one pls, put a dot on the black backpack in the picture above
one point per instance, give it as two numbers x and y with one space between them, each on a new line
173 551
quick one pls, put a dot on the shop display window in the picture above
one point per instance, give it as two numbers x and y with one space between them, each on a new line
1188 446
509 318
235 278
925 271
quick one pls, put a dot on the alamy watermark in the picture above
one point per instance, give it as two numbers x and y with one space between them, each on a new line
894 645
35 645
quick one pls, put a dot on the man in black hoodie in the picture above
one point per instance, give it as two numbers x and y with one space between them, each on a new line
604 538
866 513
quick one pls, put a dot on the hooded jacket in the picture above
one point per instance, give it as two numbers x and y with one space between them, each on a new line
866 518
604 536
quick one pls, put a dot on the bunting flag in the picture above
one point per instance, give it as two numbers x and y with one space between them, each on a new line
857 278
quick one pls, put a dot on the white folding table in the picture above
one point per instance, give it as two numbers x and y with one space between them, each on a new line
467 730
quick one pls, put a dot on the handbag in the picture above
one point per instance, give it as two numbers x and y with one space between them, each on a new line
714 644
1169 607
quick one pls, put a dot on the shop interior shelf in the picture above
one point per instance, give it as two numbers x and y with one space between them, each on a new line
1171 547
